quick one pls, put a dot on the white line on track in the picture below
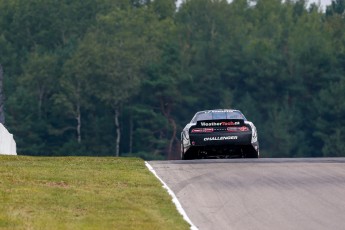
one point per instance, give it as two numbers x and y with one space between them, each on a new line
174 198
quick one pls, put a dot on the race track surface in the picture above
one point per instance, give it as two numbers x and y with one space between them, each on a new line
259 193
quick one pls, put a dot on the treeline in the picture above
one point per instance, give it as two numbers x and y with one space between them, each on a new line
106 77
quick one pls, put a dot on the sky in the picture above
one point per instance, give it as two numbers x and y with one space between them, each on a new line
323 3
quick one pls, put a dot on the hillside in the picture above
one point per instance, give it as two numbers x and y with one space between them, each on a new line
83 193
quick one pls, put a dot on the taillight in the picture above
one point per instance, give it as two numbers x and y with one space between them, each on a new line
236 129
202 130
244 128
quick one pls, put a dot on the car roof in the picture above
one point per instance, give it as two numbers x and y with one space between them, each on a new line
216 111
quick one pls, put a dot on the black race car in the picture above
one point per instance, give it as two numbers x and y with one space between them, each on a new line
220 133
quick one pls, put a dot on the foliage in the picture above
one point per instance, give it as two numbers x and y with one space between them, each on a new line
102 77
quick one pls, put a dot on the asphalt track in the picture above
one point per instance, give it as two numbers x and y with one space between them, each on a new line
258 194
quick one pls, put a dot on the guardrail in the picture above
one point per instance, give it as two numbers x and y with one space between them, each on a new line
7 144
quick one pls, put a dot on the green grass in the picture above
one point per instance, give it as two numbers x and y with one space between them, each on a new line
83 193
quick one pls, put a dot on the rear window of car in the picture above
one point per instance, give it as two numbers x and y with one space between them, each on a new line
217 115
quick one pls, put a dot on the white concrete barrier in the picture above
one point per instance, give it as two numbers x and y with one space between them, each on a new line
7 144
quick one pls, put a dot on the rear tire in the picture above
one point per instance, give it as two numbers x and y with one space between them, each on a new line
182 152
250 152
189 155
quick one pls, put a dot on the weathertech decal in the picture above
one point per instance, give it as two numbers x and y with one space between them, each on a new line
219 123
220 138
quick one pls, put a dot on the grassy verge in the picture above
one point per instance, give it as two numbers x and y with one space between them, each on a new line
83 193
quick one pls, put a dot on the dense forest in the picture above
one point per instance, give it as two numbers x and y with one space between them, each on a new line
123 77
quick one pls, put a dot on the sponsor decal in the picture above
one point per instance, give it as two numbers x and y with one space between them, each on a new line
220 111
220 138
219 123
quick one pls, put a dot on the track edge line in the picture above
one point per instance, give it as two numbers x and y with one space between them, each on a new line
174 198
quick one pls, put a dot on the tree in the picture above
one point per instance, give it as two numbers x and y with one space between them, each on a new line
40 76
164 8
115 51
72 96
330 124
2 99
146 68
336 7
163 91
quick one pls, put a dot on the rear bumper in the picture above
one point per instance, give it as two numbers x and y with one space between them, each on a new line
217 139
